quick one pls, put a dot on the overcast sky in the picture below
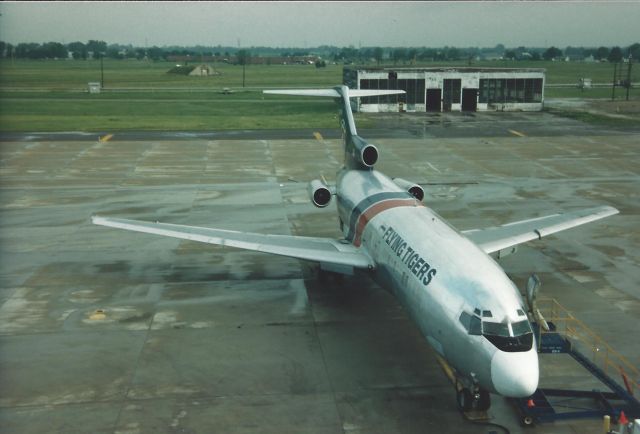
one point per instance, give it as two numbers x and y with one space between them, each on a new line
308 24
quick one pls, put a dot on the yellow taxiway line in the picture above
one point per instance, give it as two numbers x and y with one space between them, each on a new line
317 135
106 138
517 133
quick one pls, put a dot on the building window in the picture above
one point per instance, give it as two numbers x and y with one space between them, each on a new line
510 90
377 84
415 94
402 85
520 90
493 90
369 84
383 84
414 89
533 90
451 90
483 98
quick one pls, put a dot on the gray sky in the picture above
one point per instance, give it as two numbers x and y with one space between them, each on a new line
308 24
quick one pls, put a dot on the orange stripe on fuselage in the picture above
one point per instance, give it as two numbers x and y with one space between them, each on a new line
376 209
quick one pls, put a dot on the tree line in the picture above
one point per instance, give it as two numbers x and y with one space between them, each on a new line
94 49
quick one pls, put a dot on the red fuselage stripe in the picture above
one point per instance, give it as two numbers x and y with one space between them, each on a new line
376 209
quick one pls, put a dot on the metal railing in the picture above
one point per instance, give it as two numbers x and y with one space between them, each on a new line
589 344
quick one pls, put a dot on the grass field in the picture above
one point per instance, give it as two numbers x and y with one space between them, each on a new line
179 111
74 75
51 95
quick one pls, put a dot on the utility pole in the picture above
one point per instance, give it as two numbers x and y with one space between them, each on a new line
629 75
101 70
613 85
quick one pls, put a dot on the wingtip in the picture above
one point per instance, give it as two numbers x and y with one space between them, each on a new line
97 220
610 210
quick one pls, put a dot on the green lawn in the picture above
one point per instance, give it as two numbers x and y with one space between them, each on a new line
141 95
74 75
183 112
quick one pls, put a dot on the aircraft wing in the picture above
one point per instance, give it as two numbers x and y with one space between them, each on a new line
323 250
503 237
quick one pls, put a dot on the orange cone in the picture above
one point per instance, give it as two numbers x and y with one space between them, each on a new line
622 420
530 403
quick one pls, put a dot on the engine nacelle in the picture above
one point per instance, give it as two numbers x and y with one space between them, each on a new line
319 193
365 152
414 189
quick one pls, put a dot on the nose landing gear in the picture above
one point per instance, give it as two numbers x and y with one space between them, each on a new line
472 398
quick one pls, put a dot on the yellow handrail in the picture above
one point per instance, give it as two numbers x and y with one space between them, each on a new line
580 335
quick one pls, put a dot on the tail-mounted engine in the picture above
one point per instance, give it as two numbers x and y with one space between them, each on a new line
319 193
364 152
414 189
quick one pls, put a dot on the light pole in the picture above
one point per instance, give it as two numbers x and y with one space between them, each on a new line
101 70
629 75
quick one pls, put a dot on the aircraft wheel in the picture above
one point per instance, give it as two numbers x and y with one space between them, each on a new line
465 400
527 421
485 401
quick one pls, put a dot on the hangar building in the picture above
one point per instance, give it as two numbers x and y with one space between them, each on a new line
449 89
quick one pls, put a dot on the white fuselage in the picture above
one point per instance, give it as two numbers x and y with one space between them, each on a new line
437 273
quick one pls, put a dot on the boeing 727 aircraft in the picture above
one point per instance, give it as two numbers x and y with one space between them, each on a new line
464 304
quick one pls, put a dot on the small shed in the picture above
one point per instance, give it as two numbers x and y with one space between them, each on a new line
584 83
94 87
203 71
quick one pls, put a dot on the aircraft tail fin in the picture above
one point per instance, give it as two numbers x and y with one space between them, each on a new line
358 153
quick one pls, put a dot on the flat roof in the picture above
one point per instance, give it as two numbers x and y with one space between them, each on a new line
445 69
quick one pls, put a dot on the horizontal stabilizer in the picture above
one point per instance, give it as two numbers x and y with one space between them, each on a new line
356 93
305 92
335 93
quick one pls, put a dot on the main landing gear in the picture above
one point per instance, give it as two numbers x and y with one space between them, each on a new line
470 397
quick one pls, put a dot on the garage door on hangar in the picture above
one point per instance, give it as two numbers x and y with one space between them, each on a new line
469 100
434 97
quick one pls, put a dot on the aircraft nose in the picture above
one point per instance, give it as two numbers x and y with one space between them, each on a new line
515 374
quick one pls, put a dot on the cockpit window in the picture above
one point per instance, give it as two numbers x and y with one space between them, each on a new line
471 323
486 314
464 320
520 312
517 339
498 335
520 328
495 328
475 326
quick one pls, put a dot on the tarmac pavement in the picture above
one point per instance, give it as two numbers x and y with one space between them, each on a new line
109 331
